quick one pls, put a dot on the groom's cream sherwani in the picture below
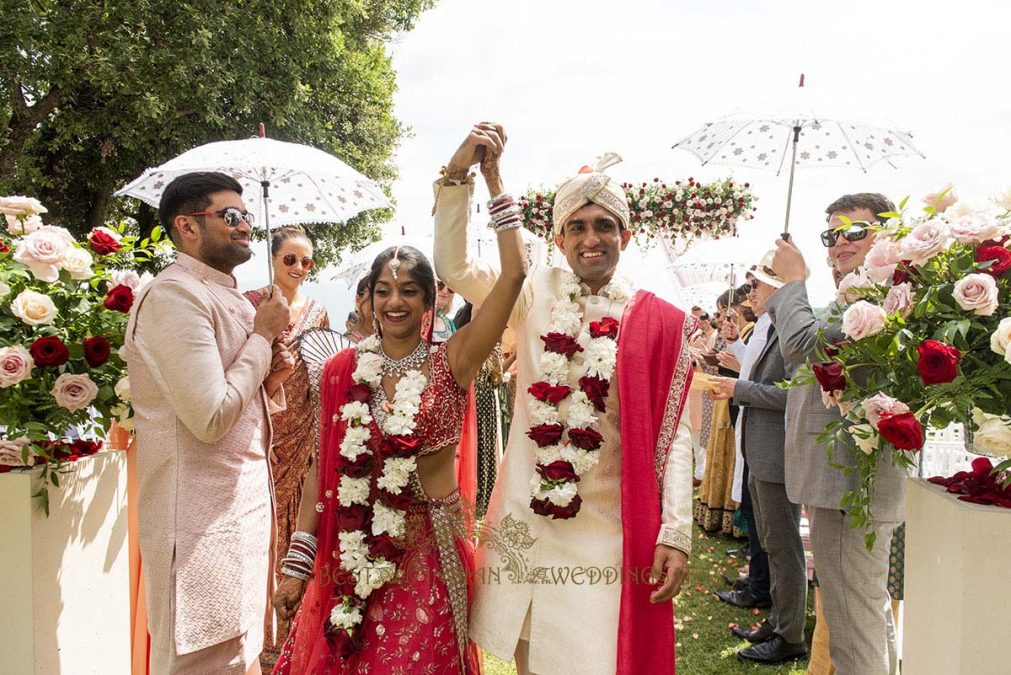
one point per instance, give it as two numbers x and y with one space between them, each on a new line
553 582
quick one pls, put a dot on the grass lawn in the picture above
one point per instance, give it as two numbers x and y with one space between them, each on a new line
704 643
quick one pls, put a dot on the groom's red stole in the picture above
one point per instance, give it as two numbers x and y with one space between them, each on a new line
654 374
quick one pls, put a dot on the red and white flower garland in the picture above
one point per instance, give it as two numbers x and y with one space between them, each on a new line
373 515
562 460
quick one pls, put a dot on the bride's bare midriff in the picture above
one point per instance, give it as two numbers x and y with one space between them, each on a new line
437 472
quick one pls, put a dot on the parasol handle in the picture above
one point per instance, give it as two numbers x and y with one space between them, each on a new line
265 187
789 192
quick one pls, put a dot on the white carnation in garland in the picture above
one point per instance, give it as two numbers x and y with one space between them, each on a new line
396 425
581 413
369 369
555 367
354 554
542 413
562 494
570 287
549 454
620 289
580 459
566 317
396 473
345 617
601 358
356 411
388 521
353 491
376 575
354 443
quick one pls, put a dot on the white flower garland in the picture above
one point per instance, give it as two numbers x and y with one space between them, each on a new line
371 573
600 357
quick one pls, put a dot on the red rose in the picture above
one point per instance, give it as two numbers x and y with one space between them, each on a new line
830 375
606 327
360 393
4 248
49 352
902 273
938 362
595 389
558 470
903 431
543 391
560 343
401 446
546 434
355 517
1000 256
345 644
96 351
81 448
102 242
383 546
587 439
995 242
543 507
119 299
400 501
360 468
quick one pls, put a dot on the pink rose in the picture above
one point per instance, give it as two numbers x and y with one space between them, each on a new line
21 206
976 228
16 365
11 451
863 319
978 293
22 225
899 299
43 251
127 278
853 287
925 241
74 392
939 202
880 405
881 260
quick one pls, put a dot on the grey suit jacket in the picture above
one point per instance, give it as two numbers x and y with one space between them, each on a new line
763 405
810 477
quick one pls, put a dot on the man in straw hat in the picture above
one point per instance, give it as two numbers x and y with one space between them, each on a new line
589 527
853 580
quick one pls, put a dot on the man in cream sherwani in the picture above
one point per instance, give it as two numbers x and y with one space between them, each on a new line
590 592
201 364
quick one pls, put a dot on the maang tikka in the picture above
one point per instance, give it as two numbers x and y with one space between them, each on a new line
394 263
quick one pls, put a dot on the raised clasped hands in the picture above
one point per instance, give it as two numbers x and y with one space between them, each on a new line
486 141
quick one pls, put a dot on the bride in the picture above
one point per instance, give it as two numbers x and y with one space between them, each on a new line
380 570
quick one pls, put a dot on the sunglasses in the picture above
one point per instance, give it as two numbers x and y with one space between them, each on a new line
232 216
856 231
290 259
441 286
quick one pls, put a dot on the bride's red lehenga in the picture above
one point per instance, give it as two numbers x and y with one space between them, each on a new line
417 623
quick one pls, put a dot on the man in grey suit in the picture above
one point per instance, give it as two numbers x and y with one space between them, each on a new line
763 436
853 580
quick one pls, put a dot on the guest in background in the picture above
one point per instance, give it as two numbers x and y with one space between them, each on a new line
443 324
291 254
366 325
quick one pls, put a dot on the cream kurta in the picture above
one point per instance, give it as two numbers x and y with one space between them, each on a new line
196 372
566 572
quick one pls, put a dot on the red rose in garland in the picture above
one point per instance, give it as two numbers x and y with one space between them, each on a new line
1000 256
383 546
903 431
119 299
543 507
830 375
401 446
560 343
344 644
938 362
606 327
49 352
96 351
558 470
360 468
587 439
595 389
546 434
360 393
354 517
544 391
102 242
396 501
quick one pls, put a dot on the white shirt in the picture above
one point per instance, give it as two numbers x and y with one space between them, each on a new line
752 350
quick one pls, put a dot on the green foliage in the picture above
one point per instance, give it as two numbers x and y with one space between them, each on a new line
92 93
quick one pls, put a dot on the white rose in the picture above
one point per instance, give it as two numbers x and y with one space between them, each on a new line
43 251
862 319
20 226
1003 200
925 241
938 202
16 365
4 289
74 392
976 228
21 206
35 309
865 437
123 389
1001 338
992 434
977 293
77 262
854 286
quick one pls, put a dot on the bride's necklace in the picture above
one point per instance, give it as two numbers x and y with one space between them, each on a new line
413 361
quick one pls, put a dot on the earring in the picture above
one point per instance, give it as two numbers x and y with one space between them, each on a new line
375 326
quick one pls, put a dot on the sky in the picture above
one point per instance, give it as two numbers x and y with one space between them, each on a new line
571 79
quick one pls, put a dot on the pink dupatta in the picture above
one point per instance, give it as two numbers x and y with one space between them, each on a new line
654 376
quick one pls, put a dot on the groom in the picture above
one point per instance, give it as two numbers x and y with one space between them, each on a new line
601 521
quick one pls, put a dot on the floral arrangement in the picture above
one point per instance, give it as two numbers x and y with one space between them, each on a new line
927 320
685 210
371 556
560 462
63 315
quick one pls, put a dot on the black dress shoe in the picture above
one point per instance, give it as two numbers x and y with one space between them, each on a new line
773 651
738 552
756 636
743 599
738 584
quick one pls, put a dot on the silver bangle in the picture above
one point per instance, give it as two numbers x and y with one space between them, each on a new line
498 199
511 225
287 571
300 557
303 536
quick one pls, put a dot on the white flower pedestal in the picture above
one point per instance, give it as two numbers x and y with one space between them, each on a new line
956 611
66 578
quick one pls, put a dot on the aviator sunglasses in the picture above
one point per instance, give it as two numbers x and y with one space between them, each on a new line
290 259
856 231
232 216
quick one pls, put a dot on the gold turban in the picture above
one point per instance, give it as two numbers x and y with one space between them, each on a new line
591 186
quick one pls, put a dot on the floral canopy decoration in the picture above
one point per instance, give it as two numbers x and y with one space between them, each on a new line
927 320
63 316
